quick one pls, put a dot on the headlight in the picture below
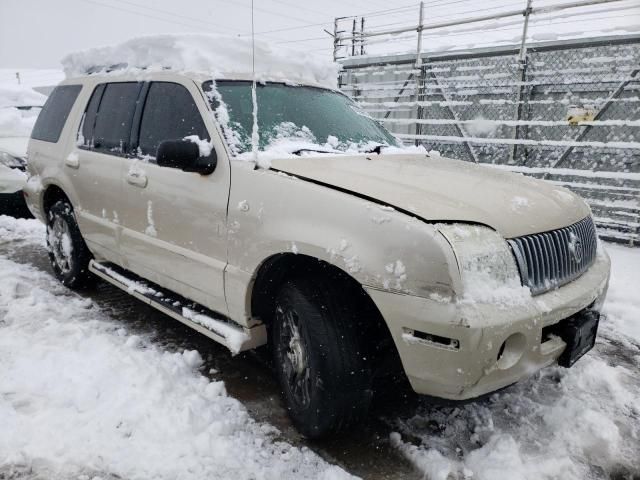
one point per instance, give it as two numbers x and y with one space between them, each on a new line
487 267
11 161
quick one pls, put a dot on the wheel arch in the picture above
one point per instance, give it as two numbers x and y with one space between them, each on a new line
52 194
280 267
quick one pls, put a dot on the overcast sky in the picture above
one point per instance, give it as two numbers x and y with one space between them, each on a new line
37 33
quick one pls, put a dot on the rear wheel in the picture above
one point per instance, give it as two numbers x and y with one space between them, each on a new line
68 252
320 361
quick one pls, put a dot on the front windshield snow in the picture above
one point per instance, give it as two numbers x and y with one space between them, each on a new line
295 118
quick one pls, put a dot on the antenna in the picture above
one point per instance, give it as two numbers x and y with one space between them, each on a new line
255 136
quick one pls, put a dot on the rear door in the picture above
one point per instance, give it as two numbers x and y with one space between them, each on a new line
97 162
175 221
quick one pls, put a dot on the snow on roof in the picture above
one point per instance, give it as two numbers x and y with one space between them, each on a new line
216 55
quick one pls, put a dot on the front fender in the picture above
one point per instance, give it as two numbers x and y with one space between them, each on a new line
380 247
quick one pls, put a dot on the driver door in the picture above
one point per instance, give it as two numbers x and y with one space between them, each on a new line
174 226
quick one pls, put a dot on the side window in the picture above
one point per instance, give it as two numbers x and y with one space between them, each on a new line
85 136
170 113
55 112
114 117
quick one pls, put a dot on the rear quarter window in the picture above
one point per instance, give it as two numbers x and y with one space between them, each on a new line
55 112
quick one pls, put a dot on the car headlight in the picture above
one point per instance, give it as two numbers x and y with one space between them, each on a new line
11 161
487 266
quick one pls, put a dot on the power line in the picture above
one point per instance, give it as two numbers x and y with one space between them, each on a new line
190 25
173 14
269 12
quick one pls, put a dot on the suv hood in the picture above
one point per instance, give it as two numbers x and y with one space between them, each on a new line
442 189
15 146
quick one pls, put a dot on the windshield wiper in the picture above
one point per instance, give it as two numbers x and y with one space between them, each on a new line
318 150
377 149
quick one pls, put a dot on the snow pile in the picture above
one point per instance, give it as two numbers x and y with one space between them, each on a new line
20 96
80 398
568 424
21 230
623 303
217 55
11 179
14 122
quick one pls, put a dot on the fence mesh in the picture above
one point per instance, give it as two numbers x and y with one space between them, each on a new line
569 113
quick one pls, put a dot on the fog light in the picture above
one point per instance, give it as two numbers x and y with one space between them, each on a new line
511 351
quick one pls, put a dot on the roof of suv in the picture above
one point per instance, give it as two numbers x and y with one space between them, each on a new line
201 57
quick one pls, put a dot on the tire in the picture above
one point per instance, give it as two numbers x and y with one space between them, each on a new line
68 253
319 358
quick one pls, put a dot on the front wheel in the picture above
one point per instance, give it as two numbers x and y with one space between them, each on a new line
319 357
68 252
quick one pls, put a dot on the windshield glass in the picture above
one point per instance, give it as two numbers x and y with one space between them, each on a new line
296 118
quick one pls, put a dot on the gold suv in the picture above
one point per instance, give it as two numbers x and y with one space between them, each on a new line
340 251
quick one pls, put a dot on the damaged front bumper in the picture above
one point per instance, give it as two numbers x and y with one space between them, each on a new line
460 351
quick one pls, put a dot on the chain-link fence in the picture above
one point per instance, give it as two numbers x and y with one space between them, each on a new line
570 112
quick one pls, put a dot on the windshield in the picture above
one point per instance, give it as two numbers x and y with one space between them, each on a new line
297 118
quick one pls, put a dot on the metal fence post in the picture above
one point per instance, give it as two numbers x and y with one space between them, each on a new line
335 39
419 29
353 39
522 77
420 74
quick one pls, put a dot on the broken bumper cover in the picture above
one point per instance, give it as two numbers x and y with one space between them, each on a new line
462 351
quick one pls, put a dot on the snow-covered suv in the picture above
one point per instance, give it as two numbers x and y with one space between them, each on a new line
306 227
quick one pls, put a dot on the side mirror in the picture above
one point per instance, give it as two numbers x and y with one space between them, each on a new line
185 155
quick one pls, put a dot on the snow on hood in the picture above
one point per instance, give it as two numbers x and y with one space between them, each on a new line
11 180
19 95
216 54
13 122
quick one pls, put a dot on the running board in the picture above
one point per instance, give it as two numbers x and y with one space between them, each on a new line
233 336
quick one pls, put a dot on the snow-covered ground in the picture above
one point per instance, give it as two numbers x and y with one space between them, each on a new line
581 423
81 396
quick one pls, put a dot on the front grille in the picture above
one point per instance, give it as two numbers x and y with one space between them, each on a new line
551 259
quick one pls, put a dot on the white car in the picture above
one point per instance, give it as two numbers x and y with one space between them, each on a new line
19 108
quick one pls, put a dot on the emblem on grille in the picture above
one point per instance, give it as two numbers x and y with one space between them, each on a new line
575 247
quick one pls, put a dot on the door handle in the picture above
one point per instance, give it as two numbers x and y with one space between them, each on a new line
72 160
138 179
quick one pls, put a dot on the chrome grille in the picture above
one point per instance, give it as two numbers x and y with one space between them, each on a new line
550 259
